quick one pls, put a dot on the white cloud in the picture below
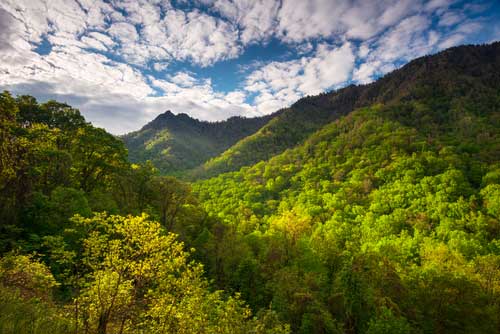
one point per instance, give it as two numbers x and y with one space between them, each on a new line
111 93
451 41
410 38
236 98
200 37
296 21
302 20
183 79
104 39
256 18
93 43
405 41
103 53
161 66
451 18
439 5
363 50
366 71
124 32
279 84
413 37
299 21
143 34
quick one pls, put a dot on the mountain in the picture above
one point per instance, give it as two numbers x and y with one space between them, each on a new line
386 220
451 72
175 143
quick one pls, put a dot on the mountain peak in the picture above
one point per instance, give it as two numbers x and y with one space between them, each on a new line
451 73
168 120
166 115
177 141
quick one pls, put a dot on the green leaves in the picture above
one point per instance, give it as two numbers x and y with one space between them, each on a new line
142 279
391 188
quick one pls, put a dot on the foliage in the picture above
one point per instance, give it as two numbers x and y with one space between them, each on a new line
142 280
175 143
25 297
376 223
101 274
380 219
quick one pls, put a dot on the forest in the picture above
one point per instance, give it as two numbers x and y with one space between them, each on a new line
382 219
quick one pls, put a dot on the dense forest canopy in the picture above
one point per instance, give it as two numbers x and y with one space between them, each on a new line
382 217
67 268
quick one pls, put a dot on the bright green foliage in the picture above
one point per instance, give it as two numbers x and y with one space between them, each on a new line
380 219
402 211
32 316
126 276
141 280
26 299
386 322
131 264
31 278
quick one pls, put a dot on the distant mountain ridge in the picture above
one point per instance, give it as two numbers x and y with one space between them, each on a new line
175 143
208 150
449 73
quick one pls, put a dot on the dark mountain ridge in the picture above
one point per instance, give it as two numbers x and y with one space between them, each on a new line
453 72
178 142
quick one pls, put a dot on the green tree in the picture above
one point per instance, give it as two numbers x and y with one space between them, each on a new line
170 197
142 279
26 303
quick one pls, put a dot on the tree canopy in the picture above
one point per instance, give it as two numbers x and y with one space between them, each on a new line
383 218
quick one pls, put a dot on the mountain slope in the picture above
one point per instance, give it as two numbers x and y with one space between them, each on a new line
178 142
449 72
385 220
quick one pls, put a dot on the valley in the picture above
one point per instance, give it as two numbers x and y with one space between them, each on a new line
369 209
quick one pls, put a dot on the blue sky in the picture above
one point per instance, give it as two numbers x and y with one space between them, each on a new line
124 62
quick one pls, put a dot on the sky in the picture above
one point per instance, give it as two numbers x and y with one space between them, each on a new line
124 62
